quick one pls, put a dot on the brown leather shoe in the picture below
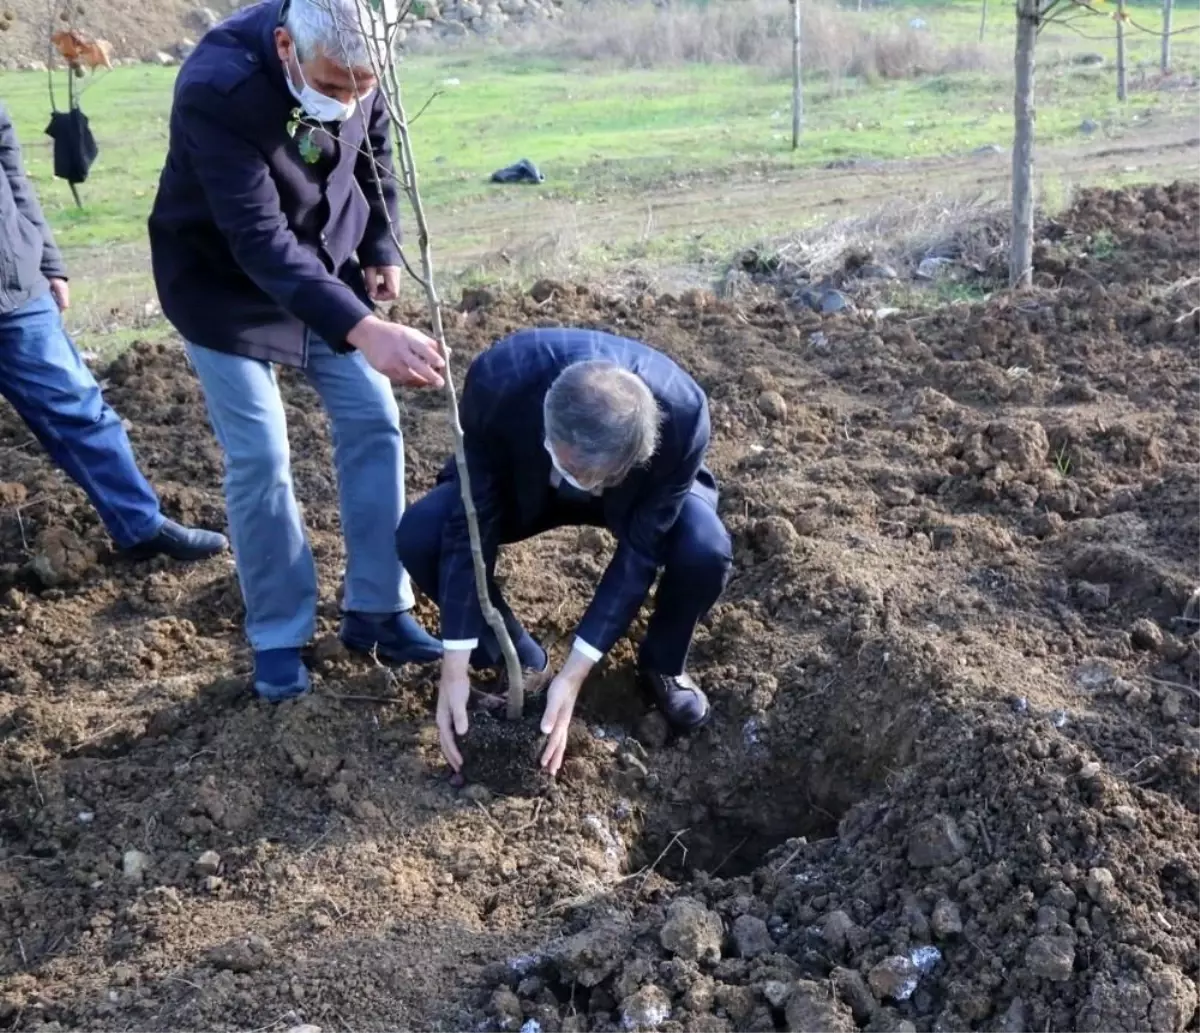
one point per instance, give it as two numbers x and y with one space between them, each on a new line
679 698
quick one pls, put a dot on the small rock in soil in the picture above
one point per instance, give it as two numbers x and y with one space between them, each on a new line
776 535
776 993
1163 1001
947 921
835 301
1051 957
592 955
1146 635
853 989
505 1008
1090 596
812 1008
243 955
894 977
653 731
1102 888
649 1008
134 864
692 932
772 405
751 937
877 272
208 863
838 931
936 843
61 557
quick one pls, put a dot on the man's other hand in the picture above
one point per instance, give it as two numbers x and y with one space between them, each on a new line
560 708
383 282
453 693
401 353
61 293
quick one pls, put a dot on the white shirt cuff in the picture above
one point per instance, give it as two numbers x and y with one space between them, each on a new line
591 652
458 644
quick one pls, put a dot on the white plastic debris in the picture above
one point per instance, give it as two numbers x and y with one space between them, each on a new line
85 817
532 1026
925 959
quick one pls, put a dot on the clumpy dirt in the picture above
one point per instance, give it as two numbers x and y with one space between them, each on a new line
952 777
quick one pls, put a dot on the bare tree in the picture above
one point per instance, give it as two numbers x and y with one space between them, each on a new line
1122 56
983 19
1032 17
1168 11
380 21
797 77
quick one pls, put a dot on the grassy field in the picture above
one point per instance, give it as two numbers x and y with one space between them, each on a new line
606 133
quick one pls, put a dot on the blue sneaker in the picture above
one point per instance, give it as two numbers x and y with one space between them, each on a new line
394 637
280 674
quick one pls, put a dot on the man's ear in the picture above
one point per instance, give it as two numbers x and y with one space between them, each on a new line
284 46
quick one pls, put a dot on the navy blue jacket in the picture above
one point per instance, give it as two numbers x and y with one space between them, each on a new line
504 430
250 244
28 254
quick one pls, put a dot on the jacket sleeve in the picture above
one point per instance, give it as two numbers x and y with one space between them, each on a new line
378 247
244 202
458 597
639 552
26 200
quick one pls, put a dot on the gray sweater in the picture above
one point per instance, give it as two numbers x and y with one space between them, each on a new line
28 254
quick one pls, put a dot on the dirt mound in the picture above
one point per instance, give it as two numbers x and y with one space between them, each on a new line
951 780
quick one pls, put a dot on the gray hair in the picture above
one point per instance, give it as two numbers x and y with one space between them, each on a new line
605 416
349 32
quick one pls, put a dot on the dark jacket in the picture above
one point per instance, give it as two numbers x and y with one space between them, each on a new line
501 413
250 243
28 254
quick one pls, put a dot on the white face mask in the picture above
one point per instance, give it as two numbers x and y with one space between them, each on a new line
563 473
318 106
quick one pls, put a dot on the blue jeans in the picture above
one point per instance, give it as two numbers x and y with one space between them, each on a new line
54 392
275 564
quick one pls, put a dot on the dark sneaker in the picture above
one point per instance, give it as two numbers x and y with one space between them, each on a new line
394 637
679 698
280 674
185 544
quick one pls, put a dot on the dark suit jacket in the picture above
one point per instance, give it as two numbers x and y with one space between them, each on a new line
501 413
250 243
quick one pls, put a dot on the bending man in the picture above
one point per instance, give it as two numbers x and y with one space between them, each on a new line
271 240
576 427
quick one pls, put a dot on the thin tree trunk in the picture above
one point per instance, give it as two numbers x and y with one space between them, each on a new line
797 76
389 85
1168 10
983 20
1122 71
492 616
1020 262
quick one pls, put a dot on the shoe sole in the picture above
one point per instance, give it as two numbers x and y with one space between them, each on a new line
275 694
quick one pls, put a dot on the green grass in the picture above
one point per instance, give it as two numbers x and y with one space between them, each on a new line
610 133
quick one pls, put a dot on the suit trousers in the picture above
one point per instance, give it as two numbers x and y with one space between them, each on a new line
275 567
697 559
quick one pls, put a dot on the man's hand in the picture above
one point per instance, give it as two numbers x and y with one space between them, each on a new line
383 282
61 293
454 690
401 353
560 707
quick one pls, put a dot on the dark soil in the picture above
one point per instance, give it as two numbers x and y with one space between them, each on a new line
952 777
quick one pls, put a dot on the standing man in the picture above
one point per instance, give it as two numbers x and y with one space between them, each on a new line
271 240
47 382
571 427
